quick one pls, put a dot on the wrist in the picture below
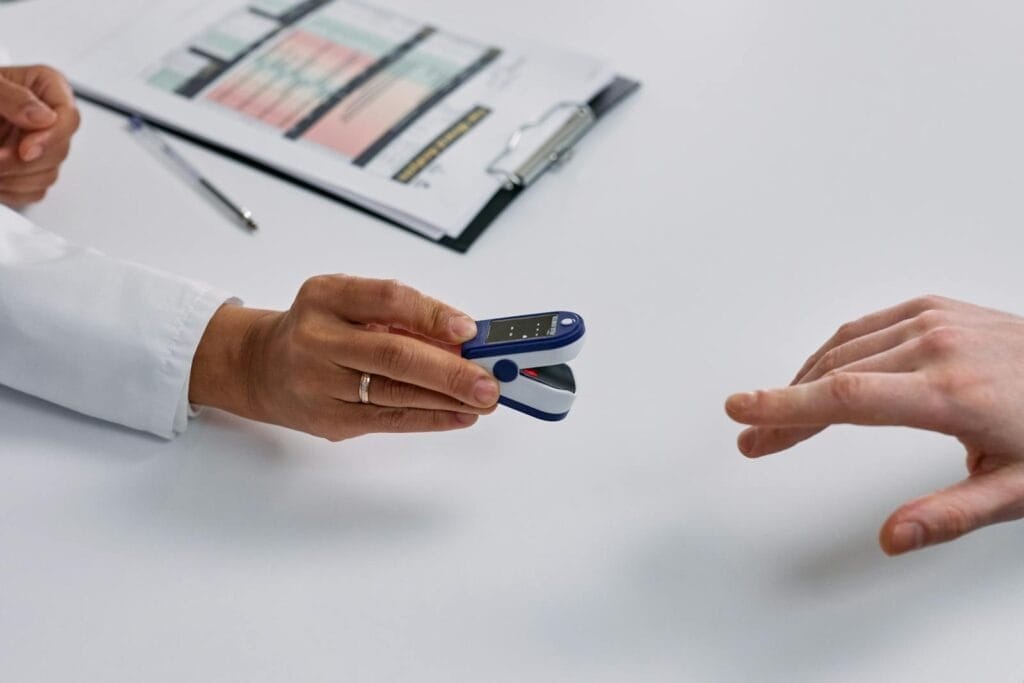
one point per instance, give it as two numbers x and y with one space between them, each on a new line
225 369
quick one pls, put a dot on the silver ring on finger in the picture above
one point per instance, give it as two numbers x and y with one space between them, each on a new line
364 388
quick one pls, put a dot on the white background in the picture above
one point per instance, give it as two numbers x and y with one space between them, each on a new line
787 166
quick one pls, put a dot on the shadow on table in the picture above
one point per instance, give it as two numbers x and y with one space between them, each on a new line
45 427
709 607
239 483
225 481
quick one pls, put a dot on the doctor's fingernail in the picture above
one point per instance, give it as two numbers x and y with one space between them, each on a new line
907 536
33 153
37 113
462 327
486 391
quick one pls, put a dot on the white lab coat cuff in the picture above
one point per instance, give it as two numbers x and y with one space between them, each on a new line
194 323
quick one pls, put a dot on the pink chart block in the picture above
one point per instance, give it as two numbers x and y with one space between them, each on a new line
290 81
351 128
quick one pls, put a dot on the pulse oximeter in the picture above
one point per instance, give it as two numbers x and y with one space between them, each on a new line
528 355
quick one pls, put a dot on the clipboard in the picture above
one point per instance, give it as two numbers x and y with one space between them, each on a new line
554 151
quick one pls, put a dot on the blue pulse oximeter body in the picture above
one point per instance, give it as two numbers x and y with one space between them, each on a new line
528 355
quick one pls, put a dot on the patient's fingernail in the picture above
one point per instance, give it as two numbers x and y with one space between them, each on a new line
33 153
463 327
740 403
37 113
486 391
907 536
465 418
747 442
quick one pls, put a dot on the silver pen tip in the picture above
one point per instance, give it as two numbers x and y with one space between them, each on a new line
249 221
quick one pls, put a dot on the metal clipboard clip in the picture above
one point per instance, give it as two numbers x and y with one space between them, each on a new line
555 151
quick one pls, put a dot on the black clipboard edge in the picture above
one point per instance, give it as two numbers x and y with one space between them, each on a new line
600 104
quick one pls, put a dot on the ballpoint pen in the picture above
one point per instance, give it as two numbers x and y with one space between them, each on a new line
138 127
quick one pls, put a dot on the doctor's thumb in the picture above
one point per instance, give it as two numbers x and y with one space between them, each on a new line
19 106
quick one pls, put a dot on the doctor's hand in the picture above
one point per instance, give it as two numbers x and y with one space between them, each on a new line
38 117
930 363
302 368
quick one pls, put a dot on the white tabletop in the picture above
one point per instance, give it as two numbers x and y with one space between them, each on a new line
787 166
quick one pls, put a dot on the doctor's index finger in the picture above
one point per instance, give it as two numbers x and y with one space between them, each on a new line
397 305
867 398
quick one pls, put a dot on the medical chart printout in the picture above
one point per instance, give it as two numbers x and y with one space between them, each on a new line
384 110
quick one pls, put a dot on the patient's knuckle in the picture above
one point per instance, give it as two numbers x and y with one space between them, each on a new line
846 332
830 360
844 387
929 302
943 341
930 319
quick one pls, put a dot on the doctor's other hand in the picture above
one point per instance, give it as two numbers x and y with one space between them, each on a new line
302 368
931 363
38 117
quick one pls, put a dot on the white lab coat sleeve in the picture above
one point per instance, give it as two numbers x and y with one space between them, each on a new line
108 338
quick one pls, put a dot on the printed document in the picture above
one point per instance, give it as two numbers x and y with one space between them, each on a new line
387 111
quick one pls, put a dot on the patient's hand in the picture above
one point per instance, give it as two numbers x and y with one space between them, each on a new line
301 368
930 363
38 117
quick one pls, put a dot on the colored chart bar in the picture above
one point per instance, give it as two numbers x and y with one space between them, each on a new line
284 84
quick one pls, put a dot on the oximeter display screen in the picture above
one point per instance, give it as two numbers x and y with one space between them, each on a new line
517 329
